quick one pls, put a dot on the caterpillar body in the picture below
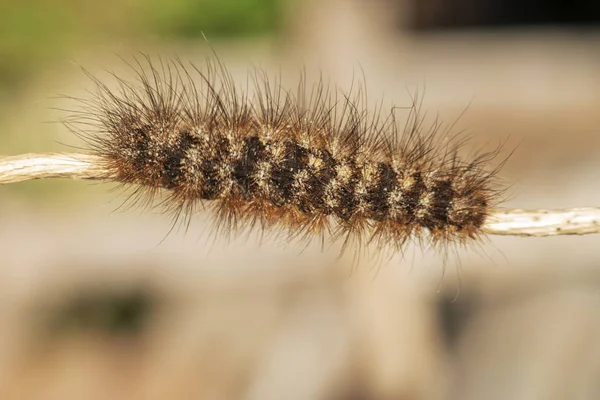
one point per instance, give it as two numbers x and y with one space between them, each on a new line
313 163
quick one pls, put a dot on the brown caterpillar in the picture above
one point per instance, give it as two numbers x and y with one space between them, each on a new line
309 164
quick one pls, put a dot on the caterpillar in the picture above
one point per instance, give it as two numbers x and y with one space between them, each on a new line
314 163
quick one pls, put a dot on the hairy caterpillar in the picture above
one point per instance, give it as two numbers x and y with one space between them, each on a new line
314 163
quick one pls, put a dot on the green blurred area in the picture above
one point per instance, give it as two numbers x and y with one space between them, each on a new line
216 18
35 34
35 31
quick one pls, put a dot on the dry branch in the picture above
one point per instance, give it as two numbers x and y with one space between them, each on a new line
575 221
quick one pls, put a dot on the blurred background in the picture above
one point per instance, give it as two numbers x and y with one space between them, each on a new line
99 302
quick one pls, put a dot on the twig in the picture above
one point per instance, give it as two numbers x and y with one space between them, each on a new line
25 167
575 221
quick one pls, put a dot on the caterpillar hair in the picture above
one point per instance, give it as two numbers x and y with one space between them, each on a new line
310 163
313 163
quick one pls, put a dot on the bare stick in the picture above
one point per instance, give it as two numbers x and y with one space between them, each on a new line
575 221
50 165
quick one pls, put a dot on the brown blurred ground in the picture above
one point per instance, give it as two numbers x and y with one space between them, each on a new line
233 321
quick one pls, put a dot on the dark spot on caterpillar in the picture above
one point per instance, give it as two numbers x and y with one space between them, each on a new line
378 198
319 177
283 172
468 213
253 151
443 194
